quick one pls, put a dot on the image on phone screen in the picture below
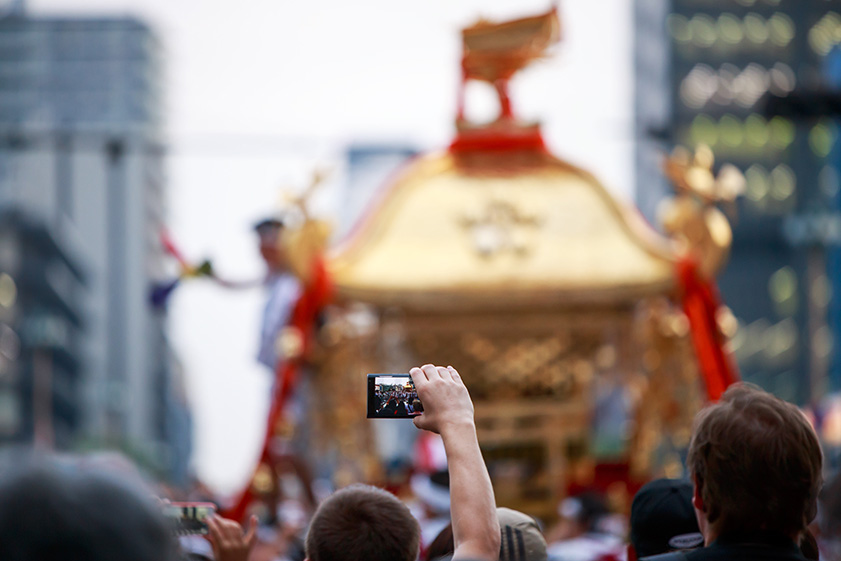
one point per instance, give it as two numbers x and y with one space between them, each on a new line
392 396
188 518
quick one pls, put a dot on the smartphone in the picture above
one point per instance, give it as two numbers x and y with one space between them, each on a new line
189 518
392 396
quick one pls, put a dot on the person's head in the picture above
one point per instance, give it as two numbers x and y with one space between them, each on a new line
56 513
520 539
362 523
756 464
271 249
582 514
663 519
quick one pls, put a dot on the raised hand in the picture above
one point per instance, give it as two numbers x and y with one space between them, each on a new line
229 541
445 399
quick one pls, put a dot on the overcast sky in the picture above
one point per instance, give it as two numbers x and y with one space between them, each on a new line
257 92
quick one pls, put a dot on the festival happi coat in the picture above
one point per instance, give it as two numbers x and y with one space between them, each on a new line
558 304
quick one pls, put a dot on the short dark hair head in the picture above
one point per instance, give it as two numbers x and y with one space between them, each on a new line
59 513
757 463
363 523
268 226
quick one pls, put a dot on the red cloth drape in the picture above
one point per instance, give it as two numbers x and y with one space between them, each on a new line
701 301
313 298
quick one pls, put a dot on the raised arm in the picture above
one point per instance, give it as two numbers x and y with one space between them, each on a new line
448 411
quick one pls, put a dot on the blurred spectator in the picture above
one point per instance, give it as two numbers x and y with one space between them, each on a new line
278 542
283 290
51 512
520 539
579 515
580 535
291 452
520 536
195 548
663 519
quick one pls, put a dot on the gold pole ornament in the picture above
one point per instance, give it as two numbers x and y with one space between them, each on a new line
304 238
691 218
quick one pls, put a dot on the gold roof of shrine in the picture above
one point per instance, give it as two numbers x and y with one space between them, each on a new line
499 230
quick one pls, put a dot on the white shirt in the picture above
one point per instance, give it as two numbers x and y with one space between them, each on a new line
589 547
283 289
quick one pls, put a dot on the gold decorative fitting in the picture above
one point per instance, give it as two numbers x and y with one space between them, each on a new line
691 218
289 343
500 227
693 175
264 480
304 237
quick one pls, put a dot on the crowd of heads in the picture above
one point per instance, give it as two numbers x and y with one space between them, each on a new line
396 400
754 469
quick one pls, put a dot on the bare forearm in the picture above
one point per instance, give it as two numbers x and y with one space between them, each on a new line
473 508
449 412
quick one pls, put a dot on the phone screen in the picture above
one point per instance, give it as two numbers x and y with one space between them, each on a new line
392 396
189 518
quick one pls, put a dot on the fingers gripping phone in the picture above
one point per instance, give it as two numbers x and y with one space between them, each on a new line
392 396
189 518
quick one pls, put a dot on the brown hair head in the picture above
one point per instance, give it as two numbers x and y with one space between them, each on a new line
362 523
756 462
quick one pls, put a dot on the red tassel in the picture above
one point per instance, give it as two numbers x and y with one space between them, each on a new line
315 296
700 304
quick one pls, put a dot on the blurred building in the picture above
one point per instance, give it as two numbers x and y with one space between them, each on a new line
40 321
832 77
80 114
369 167
705 71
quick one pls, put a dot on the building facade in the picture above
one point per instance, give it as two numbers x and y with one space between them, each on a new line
705 72
368 167
80 148
40 336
